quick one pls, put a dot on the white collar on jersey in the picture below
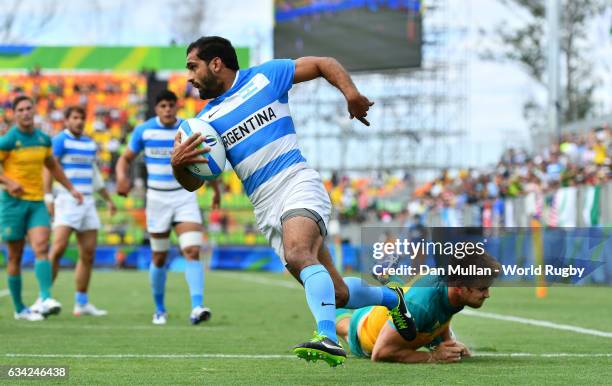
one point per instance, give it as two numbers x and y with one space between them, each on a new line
69 134
235 79
175 126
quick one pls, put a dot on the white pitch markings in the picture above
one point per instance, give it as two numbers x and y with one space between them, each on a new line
152 356
536 322
274 356
80 326
544 355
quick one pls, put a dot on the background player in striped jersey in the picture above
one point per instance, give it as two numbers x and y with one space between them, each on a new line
77 155
168 205
249 109
25 151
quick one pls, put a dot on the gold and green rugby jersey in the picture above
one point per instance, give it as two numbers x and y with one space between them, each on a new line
22 156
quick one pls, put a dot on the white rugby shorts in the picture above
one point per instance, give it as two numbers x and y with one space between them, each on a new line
304 190
69 213
165 208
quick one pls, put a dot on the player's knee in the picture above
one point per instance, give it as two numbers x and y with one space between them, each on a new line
14 261
59 246
87 257
41 249
192 252
159 247
190 243
15 255
13 267
159 259
342 295
299 256
89 253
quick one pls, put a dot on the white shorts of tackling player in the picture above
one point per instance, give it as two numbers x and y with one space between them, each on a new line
165 208
69 213
304 190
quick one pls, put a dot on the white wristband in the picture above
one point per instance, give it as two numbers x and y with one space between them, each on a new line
48 198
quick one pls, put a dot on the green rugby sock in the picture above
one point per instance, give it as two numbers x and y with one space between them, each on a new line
42 268
14 284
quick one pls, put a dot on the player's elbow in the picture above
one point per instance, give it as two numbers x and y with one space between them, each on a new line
326 63
381 355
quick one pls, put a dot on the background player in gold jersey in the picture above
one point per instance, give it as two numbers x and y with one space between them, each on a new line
24 151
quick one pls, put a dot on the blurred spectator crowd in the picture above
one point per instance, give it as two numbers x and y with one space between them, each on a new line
579 159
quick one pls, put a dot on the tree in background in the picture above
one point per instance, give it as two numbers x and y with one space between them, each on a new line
20 21
188 19
525 45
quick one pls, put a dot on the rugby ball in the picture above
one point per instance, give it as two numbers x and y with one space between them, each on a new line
216 156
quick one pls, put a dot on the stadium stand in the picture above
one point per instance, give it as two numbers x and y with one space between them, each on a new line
544 185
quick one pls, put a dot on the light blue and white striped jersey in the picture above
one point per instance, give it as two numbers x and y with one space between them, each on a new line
77 156
157 141
254 122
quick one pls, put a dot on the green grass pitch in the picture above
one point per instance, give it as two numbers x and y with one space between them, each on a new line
256 319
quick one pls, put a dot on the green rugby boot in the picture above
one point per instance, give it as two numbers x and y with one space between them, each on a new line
402 320
321 347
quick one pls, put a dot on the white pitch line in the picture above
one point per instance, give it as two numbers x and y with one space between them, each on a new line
4 292
544 355
77 326
536 322
152 356
277 356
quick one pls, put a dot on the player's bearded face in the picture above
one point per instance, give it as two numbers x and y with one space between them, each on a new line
209 85
76 123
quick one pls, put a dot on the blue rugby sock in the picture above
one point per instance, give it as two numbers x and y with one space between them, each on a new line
362 295
81 298
157 276
194 273
321 298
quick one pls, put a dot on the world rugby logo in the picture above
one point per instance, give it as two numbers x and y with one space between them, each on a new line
210 140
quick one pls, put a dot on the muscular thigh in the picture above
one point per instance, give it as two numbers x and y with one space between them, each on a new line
301 243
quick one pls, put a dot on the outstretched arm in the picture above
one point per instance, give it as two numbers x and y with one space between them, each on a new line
311 67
